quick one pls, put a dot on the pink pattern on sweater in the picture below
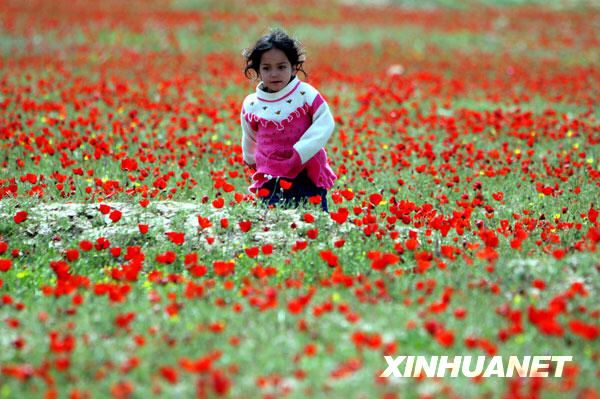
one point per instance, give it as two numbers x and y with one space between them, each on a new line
254 120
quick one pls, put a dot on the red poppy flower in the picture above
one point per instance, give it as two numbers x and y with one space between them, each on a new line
308 218
222 268
245 225
460 312
539 284
267 249
285 185
220 383
340 216
593 215
86 245
444 337
252 252
411 244
204 222
329 257
218 203
299 245
587 331
129 164
5 265
123 320
339 243
169 374
72 254
263 192
315 199
20 217
115 215
375 198
175 237
104 209
167 257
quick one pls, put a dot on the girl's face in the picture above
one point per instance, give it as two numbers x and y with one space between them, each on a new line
275 70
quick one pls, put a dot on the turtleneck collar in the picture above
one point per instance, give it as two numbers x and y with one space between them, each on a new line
278 95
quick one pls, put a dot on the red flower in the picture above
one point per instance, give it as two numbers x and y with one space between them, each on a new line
309 218
245 225
143 228
592 215
339 243
411 244
340 216
263 192
175 237
115 215
558 253
129 164
166 257
587 331
299 245
86 245
204 222
375 198
460 312
20 217
221 383
124 319
329 257
169 374
5 265
284 184
444 337
539 284
218 203
72 254
223 268
364 339
198 270
315 199
252 252
104 209
381 261
267 249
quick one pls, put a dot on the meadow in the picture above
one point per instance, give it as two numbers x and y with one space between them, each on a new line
134 262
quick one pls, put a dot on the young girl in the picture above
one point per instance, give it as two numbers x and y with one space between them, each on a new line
285 125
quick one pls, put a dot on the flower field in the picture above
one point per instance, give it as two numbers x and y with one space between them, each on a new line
134 262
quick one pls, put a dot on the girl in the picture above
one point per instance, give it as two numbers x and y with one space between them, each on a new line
285 125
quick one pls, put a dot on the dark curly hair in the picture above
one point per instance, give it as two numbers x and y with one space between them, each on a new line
280 40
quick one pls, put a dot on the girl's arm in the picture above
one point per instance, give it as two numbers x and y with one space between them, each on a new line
248 141
318 133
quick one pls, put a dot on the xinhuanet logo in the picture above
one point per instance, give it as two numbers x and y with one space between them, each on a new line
475 366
